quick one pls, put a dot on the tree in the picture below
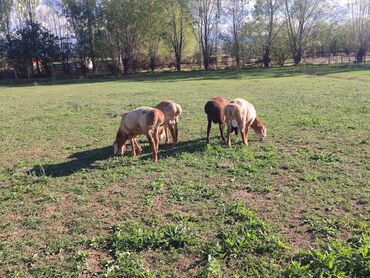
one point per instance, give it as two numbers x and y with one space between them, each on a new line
266 12
178 26
360 17
127 24
153 32
25 11
32 44
84 16
280 49
301 16
206 14
5 13
236 11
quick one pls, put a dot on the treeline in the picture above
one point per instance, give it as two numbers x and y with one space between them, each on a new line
124 36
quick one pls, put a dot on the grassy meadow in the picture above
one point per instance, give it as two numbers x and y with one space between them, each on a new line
295 205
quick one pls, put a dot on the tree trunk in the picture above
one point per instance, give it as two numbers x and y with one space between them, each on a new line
237 60
266 56
360 55
178 62
93 64
297 57
126 65
28 71
206 59
152 63
15 73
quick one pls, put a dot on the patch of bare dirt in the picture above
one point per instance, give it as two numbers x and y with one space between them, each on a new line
291 224
187 266
94 263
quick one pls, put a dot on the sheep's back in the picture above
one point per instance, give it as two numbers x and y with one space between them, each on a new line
215 109
170 110
139 120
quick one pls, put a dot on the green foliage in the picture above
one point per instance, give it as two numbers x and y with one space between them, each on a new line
191 191
126 264
133 236
350 259
245 233
212 269
324 157
85 18
325 227
33 43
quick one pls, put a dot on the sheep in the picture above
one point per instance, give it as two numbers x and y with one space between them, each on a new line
171 111
214 109
143 120
241 115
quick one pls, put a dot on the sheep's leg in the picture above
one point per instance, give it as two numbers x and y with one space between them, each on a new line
242 133
152 145
246 135
209 128
222 126
166 133
176 133
156 139
133 146
136 147
229 136
173 134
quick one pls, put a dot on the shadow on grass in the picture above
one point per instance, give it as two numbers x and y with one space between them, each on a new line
78 161
255 73
86 160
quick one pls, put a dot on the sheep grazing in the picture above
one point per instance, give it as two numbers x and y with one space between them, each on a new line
241 115
171 111
215 113
143 120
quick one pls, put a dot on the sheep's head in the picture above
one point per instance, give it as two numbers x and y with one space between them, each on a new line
259 128
119 143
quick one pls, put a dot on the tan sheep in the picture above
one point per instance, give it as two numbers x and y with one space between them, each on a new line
240 116
143 120
171 111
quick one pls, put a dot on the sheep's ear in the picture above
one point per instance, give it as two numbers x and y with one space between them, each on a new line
115 148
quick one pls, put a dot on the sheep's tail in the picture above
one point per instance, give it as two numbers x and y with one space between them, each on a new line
178 110
177 113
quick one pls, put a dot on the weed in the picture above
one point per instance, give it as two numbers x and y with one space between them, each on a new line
350 259
132 236
126 264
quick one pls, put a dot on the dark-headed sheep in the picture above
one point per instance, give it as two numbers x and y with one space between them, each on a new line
214 109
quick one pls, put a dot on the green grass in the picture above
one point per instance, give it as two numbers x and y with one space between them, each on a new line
295 204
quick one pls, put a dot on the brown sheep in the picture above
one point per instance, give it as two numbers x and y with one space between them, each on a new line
241 115
171 111
214 109
143 120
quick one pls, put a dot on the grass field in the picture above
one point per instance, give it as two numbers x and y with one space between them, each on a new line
294 205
